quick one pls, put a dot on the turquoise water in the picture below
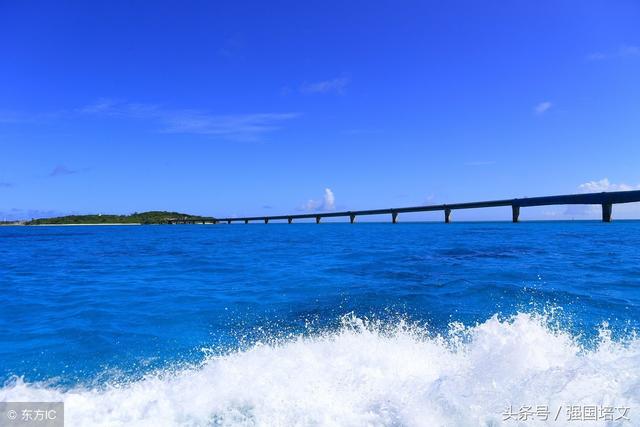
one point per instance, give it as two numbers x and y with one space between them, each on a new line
150 314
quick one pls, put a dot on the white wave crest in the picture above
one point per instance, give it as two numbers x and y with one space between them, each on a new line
367 375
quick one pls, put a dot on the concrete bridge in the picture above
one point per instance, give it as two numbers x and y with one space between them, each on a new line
605 199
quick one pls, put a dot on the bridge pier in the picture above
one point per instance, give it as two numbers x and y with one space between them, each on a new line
352 218
394 217
447 215
266 220
246 221
228 221
289 220
606 212
318 219
515 213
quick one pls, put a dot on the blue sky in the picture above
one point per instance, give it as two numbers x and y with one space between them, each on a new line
273 107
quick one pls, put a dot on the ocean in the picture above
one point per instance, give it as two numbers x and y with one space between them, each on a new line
408 324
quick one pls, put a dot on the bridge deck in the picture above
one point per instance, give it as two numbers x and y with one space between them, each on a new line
605 199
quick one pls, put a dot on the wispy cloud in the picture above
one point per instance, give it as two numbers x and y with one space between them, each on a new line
16 214
336 85
6 184
106 106
596 56
542 107
629 51
241 126
621 52
232 46
247 127
62 170
480 163
17 117
361 131
11 117
328 202
605 185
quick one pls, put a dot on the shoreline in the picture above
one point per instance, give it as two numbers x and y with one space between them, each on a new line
70 225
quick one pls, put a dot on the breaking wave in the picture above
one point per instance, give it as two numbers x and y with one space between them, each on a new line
368 373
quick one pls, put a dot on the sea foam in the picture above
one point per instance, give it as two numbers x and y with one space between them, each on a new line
372 374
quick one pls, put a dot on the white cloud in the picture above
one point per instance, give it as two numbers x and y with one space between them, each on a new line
327 203
623 210
334 85
543 107
605 185
329 199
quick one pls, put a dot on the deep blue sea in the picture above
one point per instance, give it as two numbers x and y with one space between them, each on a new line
332 324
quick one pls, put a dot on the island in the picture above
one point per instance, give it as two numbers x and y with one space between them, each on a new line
150 217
